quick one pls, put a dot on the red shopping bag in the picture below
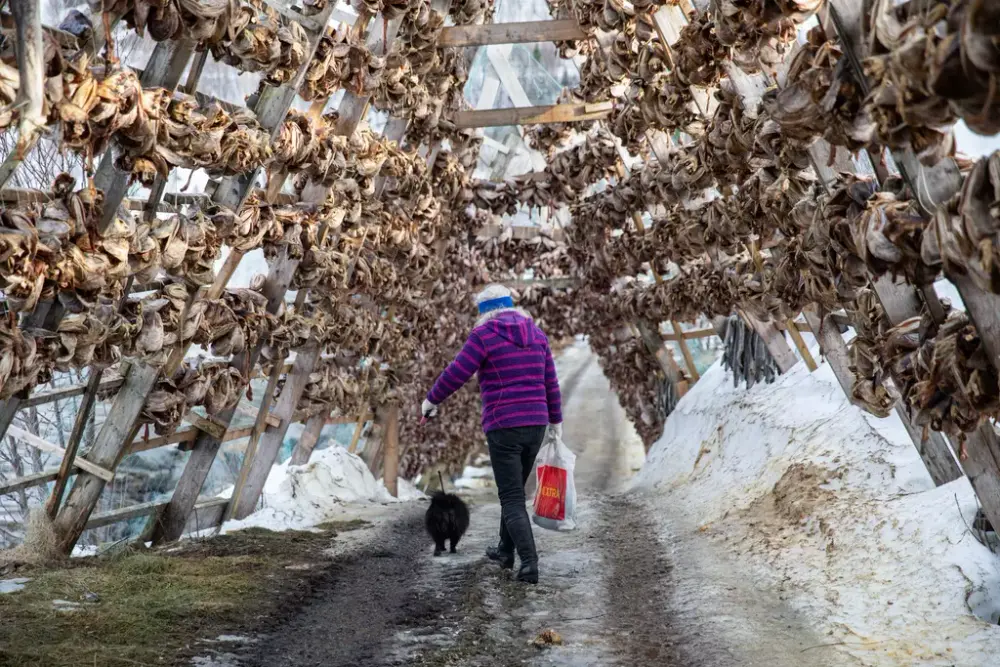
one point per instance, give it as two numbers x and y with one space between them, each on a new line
550 499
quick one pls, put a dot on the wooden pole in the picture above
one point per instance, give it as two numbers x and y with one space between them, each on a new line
390 472
685 350
775 342
309 438
357 432
807 357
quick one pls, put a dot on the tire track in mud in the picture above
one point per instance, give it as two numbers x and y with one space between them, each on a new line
638 587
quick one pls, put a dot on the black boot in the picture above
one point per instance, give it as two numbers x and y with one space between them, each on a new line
519 527
528 573
500 555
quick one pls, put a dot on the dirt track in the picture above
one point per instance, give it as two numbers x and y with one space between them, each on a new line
610 589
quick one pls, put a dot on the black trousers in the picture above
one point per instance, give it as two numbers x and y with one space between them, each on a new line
512 454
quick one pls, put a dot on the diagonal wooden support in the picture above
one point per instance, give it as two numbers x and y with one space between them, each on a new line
800 345
775 342
79 424
271 440
309 439
117 432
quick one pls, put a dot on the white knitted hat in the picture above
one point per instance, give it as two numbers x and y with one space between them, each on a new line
492 291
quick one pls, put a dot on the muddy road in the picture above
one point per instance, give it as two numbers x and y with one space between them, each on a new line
616 590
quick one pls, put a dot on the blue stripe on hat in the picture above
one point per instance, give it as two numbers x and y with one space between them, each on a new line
496 304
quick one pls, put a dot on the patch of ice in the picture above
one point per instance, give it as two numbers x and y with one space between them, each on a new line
235 639
66 606
84 551
297 497
834 508
476 477
12 585
474 472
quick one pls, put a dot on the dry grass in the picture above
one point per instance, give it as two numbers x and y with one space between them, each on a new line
39 547
150 607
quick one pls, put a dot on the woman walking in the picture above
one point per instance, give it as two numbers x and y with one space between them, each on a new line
520 393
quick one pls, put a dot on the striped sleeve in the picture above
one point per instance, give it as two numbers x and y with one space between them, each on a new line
459 371
552 395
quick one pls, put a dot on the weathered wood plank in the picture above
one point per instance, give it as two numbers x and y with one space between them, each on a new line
112 441
270 442
44 445
28 481
832 344
390 470
801 346
775 342
124 514
258 428
901 302
688 358
308 440
356 437
552 113
207 514
528 32
651 338
209 425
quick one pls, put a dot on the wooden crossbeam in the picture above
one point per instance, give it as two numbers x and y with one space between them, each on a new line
68 392
552 113
28 481
511 33
207 424
46 446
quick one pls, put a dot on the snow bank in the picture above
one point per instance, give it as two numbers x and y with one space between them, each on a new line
476 477
298 497
834 508
407 490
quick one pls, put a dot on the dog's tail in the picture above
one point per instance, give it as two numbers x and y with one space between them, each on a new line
441 481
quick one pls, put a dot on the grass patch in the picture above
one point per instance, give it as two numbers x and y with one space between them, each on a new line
152 605
343 526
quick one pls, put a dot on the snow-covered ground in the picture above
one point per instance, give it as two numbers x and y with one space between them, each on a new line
833 508
332 486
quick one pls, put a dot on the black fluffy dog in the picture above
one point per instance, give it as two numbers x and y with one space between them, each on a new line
447 519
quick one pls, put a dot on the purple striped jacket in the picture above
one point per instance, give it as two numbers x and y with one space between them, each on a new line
517 378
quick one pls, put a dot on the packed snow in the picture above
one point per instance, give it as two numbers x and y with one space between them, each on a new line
833 508
297 497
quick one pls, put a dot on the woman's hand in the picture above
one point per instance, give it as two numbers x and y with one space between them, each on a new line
428 409
555 431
